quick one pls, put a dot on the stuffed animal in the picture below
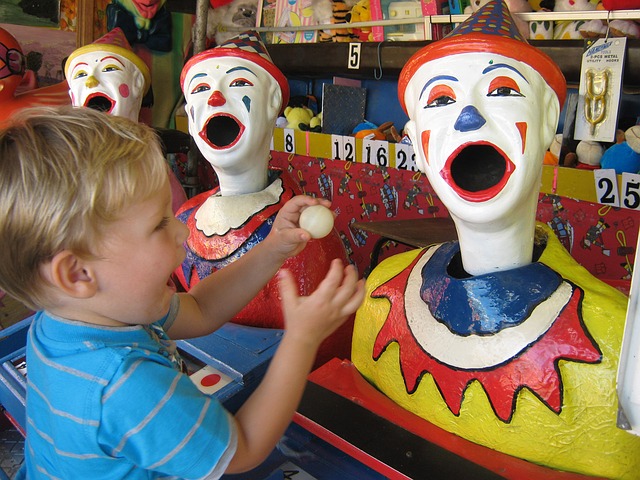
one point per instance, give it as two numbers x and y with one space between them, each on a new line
370 131
616 28
326 12
361 12
223 14
569 29
589 155
625 156
515 6
552 155
298 118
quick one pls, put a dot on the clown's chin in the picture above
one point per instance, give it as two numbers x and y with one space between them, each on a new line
100 103
222 131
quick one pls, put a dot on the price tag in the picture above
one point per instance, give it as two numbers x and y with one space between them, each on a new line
375 152
607 186
289 140
405 157
631 191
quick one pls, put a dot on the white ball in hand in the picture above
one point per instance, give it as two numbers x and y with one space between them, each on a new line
317 220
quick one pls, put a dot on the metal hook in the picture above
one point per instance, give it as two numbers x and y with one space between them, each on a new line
606 35
595 101
376 75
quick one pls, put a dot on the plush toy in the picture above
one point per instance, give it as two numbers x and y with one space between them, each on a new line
552 155
315 124
589 155
361 13
326 12
223 14
625 156
298 118
515 6
370 131
569 29
616 28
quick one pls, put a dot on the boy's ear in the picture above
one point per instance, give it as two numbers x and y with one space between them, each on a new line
71 275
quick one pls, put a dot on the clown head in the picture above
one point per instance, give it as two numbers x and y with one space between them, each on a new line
483 107
233 95
12 64
106 75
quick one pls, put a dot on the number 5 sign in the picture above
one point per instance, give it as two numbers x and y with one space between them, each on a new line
631 191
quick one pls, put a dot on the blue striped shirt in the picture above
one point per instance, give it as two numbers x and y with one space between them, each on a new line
112 403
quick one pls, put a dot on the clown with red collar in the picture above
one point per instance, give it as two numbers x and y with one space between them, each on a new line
500 337
233 94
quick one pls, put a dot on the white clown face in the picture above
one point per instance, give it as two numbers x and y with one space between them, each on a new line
232 104
108 82
480 124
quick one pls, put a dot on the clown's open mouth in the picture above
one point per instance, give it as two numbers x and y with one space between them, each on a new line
99 102
222 131
478 171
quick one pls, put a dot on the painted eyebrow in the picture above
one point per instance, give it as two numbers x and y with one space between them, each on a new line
110 57
79 64
435 79
234 69
195 77
504 65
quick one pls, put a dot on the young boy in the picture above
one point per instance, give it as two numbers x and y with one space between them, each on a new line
88 238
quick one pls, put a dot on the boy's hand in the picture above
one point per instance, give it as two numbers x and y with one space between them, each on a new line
286 236
312 319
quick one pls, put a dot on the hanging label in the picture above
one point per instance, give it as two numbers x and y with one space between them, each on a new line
600 88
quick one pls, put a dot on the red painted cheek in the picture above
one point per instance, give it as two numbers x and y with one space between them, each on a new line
522 128
124 90
426 135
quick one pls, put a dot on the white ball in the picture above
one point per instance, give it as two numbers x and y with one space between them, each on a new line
317 220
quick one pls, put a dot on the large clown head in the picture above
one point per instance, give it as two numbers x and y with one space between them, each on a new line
106 75
12 65
483 107
233 95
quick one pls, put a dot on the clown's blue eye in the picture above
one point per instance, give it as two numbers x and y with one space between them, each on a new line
241 82
203 87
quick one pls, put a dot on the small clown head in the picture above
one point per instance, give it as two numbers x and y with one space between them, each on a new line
483 107
234 93
107 75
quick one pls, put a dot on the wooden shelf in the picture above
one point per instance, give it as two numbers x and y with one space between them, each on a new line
323 59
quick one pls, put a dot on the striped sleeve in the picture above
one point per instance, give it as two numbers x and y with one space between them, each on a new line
156 417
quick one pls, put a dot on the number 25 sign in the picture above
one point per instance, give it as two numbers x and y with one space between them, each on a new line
606 185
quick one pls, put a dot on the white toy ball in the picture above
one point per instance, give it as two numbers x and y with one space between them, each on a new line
317 220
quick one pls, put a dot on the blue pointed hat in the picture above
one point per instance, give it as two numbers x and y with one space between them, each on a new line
490 29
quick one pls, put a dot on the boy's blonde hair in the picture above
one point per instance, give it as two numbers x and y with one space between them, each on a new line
64 173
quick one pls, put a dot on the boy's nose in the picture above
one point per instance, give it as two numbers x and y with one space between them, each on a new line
182 232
